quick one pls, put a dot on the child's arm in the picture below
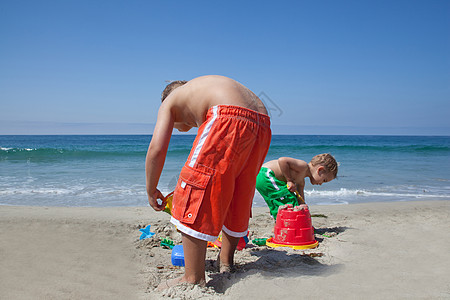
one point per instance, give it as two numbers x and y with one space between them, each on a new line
294 171
287 171
301 192
156 155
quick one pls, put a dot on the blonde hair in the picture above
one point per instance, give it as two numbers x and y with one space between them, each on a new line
327 161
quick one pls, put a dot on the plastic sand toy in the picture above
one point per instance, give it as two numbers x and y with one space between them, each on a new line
146 233
167 243
168 199
293 229
178 256
259 242
243 241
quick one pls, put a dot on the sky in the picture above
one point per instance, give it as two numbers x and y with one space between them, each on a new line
321 67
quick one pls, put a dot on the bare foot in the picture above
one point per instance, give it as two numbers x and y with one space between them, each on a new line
168 283
224 268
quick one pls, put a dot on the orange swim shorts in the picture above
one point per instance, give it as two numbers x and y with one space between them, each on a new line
216 185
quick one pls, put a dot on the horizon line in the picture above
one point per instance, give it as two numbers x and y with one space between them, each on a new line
116 128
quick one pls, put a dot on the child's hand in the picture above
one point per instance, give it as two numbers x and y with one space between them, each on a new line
292 187
153 200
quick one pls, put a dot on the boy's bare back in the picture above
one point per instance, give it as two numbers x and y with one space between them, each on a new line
297 169
189 103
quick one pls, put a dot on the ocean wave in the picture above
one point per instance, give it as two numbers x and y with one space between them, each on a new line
73 191
6 149
140 190
7 153
61 153
383 148
349 193
135 195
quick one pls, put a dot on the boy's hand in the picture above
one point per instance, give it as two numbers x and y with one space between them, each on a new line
153 200
291 186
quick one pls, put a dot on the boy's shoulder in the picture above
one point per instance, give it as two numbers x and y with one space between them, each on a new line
187 107
294 161
301 165
300 161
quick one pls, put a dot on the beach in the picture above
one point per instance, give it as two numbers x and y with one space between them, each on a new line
385 250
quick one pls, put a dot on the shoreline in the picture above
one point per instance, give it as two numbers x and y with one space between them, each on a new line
261 204
373 250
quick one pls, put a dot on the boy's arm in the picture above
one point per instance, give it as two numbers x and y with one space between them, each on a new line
301 191
156 156
292 169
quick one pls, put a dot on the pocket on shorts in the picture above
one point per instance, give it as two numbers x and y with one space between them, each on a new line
189 193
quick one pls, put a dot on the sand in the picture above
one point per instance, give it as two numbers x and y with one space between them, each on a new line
397 250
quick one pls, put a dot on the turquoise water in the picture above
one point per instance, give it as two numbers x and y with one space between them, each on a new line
107 170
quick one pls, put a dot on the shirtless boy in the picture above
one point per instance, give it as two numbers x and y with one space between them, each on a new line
282 181
217 183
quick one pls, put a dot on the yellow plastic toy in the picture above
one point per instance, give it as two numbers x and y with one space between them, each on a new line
296 247
168 199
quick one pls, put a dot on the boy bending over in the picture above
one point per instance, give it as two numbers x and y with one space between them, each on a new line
216 186
282 181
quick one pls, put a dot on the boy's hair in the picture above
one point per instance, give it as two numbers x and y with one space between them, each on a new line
170 87
327 161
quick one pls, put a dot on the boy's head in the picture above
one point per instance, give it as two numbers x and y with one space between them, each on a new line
326 161
170 87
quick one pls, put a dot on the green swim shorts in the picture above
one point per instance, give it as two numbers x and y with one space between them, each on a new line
274 191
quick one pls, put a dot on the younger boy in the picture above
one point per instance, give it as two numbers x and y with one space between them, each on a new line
216 185
282 181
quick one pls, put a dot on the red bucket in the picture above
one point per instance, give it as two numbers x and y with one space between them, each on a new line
293 229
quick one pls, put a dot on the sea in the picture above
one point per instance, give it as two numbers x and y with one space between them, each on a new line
109 170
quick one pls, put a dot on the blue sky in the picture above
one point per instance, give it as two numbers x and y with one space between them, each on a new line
322 67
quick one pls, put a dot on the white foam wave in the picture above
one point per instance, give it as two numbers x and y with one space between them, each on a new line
129 195
344 193
83 192
92 191
15 149
341 192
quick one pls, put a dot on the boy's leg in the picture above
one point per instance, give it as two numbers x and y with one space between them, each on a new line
226 255
194 259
